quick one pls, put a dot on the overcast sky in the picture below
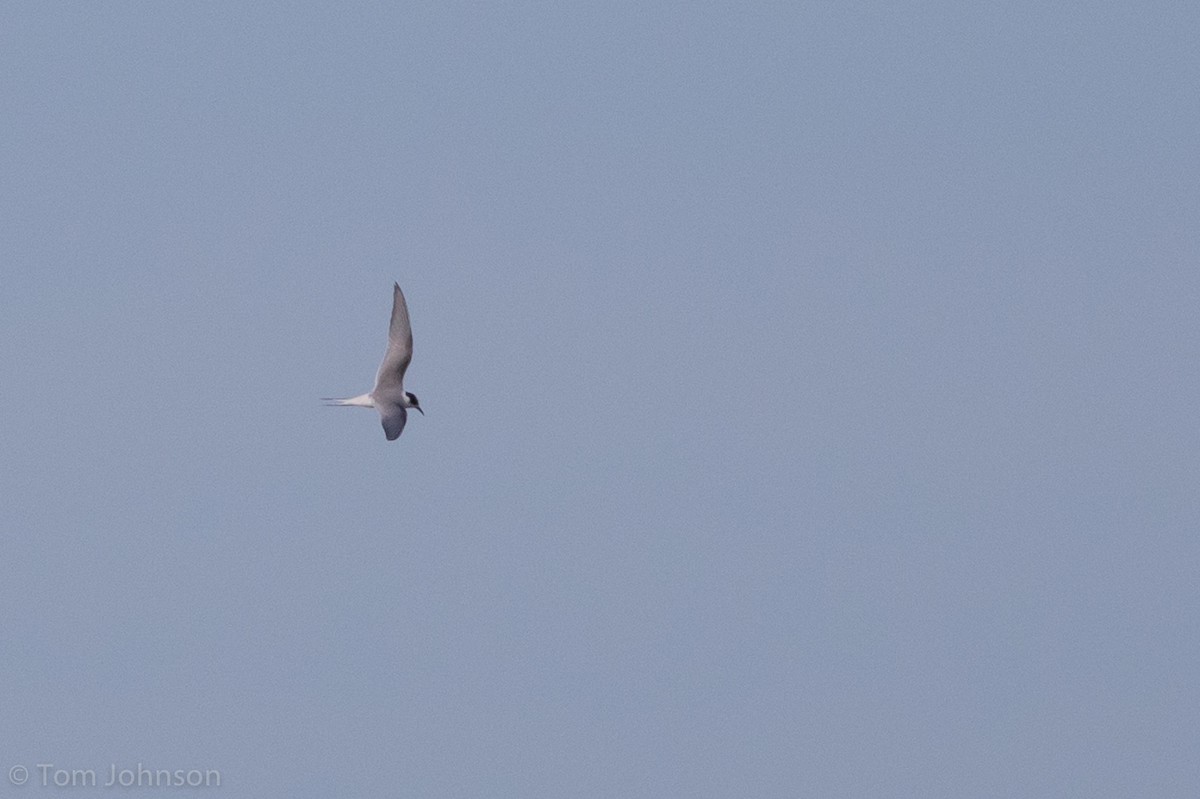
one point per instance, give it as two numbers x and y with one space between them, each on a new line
810 390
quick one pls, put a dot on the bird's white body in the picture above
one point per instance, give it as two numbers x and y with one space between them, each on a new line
389 396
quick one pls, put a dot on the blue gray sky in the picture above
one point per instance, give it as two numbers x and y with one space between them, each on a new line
811 395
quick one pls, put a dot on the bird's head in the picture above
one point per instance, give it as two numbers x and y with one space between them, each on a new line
412 401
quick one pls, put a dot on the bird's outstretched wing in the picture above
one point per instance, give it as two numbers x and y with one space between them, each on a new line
393 418
390 376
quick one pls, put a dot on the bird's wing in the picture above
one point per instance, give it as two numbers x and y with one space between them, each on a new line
399 351
393 418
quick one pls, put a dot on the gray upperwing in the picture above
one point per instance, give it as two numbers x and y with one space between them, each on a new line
390 376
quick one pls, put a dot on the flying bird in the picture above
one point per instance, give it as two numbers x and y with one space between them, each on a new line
389 397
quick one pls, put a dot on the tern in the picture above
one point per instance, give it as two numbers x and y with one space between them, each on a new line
389 397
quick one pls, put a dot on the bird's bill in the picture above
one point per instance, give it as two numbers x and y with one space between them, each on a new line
418 408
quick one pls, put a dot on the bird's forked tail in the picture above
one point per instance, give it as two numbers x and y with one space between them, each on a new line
361 401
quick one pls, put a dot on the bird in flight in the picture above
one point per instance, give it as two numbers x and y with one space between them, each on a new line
389 397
